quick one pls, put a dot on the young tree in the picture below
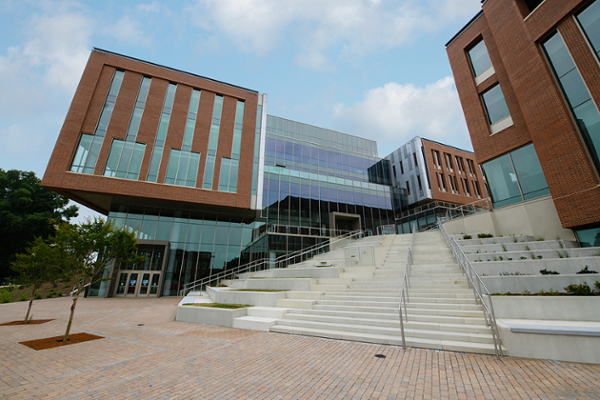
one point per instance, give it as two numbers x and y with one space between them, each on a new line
38 265
26 212
85 251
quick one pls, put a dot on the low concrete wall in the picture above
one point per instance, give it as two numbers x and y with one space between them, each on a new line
566 308
209 316
536 217
229 296
535 283
317 272
298 284
560 265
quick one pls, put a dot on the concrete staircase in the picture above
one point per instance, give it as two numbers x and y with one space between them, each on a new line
362 304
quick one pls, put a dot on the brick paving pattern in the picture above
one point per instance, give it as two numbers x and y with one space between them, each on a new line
146 354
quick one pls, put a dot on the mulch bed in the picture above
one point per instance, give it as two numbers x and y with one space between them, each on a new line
56 341
32 322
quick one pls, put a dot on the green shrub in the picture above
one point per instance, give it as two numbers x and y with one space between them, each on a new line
546 272
23 298
579 290
5 298
586 270
553 292
484 235
526 292
597 285
467 237
38 296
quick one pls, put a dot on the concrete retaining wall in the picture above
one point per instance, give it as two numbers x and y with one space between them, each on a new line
229 296
209 316
566 308
535 283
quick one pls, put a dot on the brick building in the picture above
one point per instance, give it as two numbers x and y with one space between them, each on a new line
205 177
528 76
436 178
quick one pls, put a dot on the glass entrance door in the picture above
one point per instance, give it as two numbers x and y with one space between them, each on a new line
138 284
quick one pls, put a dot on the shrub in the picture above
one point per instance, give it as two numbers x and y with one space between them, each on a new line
23 298
37 296
526 292
579 290
597 285
484 235
5 298
467 237
546 272
586 270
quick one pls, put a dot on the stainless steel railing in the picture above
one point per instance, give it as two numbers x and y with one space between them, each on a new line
265 263
479 288
404 296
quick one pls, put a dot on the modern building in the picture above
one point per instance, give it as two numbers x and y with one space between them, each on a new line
205 176
436 178
528 77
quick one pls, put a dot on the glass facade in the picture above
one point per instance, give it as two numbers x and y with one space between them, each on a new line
577 94
480 59
589 19
589 237
89 146
161 134
516 176
213 141
495 104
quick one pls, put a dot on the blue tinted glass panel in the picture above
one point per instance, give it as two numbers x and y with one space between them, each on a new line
495 104
480 59
529 172
590 22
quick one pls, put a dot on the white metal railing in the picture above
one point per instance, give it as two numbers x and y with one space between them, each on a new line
404 296
479 288
386 229
266 263
359 255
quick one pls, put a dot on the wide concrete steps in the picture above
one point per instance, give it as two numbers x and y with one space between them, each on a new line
439 344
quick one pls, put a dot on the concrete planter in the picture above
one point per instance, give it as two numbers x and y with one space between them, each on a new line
209 316
565 308
535 283
229 296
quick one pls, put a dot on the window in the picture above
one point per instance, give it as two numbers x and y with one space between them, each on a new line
577 94
495 104
477 189
589 19
449 162
471 166
182 168
229 166
394 171
415 158
443 182
515 177
452 187
407 187
161 134
532 4
480 62
419 182
436 158
460 165
466 187
213 140
401 168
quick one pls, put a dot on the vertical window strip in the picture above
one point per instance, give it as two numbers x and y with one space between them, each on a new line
256 149
229 166
124 158
89 146
188 136
589 19
161 134
578 96
213 141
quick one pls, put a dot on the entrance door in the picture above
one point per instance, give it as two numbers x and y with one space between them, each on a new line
138 284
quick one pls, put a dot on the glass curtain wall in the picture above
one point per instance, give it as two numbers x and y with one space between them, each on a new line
200 244
516 176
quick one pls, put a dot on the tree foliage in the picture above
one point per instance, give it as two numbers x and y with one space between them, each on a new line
85 251
26 212
38 265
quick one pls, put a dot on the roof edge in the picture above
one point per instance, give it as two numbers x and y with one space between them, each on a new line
98 50
464 28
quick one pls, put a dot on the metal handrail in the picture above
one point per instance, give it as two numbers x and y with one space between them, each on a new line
265 263
404 296
477 285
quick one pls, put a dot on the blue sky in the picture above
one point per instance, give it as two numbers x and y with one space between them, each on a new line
372 68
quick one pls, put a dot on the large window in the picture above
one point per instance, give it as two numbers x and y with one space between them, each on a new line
577 94
590 22
480 60
515 177
495 104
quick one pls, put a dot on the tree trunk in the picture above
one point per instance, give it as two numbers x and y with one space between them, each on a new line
75 297
30 304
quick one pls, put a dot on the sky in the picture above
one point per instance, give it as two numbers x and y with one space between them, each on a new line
372 68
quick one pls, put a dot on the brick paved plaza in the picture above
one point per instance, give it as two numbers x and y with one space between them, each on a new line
146 354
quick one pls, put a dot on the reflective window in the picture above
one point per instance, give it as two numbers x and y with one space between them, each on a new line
589 19
576 92
495 104
480 59
87 152
213 141
589 237
515 177
161 134
182 169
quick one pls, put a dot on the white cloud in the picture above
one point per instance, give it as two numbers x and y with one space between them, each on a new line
346 27
395 113
128 30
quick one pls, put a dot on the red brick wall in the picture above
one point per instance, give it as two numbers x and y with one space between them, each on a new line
462 197
85 111
536 103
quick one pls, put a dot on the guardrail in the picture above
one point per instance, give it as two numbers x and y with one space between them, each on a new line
479 288
404 296
265 263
